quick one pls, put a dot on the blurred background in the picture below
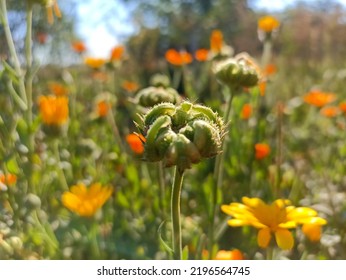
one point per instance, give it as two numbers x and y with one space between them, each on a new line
313 30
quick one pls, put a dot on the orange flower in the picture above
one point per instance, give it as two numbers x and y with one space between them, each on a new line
86 201
330 112
342 106
202 54
8 179
58 89
54 110
246 111
216 41
117 53
262 150
262 87
41 37
268 23
94 62
130 86
313 231
229 255
178 58
318 98
102 108
99 76
135 142
270 69
78 47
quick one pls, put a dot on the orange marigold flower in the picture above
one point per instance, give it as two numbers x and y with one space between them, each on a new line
262 150
229 255
246 111
135 142
262 87
41 37
178 58
268 23
342 106
53 109
312 231
318 98
8 179
102 108
86 201
58 89
78 47
130 86
94 62
270 69
216 41
330 112
117 53
202 54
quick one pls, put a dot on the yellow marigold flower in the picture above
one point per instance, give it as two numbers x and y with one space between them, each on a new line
135 142
52 8
117 53
268 24
262 150
216 41
58 89
86 201
318 98
229 255
94 62
178 58
276 218
54 110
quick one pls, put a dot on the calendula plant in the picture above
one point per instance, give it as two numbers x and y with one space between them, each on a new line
180 136
235 73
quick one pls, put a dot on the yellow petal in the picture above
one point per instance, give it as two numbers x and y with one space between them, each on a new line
263 237
301 213
70 201
237 223
252 202
79 189
284 239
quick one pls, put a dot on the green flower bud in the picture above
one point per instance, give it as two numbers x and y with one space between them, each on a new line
181 135
237 73
151 96
159 80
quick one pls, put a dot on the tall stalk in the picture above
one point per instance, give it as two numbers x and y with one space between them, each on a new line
175 212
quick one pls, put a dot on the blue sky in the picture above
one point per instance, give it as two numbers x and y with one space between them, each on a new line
100 37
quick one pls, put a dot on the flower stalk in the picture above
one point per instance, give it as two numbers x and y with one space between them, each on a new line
175 212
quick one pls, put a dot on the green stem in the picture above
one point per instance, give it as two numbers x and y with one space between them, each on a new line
175 211
12 49
218 176
266 54
61 173
162 191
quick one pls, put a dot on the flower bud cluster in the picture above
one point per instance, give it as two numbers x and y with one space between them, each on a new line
181 135
237 72
158 92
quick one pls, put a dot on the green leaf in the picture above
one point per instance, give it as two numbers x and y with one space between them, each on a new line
12 166
122 200
185 255
162 242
